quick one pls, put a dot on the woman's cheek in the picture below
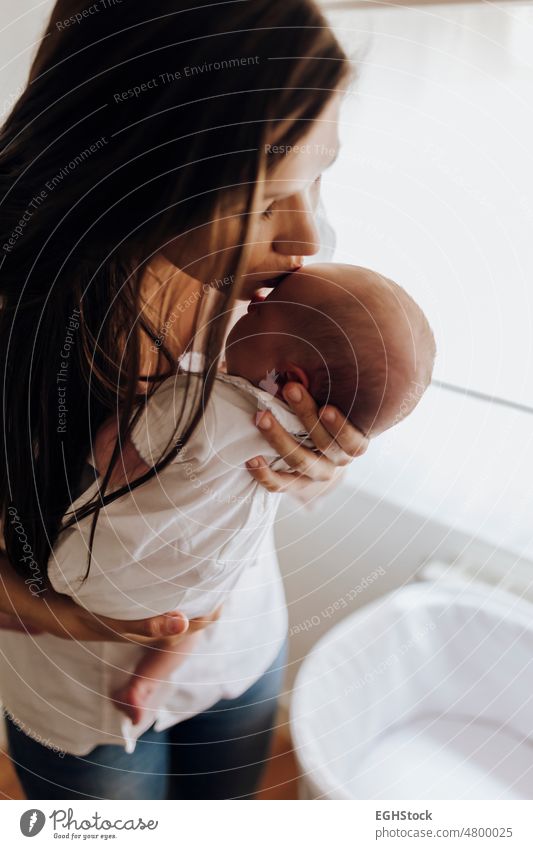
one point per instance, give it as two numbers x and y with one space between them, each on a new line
261 237
315 195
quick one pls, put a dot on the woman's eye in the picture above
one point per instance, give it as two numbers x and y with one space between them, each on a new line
270 210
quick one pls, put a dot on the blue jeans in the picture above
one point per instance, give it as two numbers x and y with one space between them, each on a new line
218 754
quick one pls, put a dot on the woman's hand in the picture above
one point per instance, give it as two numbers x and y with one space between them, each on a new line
68 620
195 625
57 614
165 631
62 617
8 622
338 443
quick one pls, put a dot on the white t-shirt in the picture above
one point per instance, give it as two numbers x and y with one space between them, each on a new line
199 533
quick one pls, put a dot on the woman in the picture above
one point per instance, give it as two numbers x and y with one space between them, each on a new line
148 138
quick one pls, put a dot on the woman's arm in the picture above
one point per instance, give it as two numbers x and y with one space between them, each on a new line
338 442
58 615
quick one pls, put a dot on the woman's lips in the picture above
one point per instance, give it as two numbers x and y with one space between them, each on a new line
276 280
272 282
285 273
260 294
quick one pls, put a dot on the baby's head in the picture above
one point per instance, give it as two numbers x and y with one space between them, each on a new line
354 339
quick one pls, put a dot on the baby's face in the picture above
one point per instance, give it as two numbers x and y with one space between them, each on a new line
263 340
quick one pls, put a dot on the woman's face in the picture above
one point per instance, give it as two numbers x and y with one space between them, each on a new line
283 229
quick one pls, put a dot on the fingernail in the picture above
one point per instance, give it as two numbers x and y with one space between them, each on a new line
175 625
263 421
253 464
328 415
293 393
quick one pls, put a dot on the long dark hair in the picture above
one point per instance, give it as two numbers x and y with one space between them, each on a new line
137 121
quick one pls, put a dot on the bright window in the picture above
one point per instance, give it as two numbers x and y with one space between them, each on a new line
434 187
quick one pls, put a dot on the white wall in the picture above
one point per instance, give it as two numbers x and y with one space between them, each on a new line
434 187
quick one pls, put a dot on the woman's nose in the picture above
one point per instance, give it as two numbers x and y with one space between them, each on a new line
297 233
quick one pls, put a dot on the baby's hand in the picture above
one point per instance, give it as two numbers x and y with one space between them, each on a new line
129 464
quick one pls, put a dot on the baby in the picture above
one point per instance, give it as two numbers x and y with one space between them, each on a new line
354 339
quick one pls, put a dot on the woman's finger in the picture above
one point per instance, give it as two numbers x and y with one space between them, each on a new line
350 440
84 625
167 625
301 459
304 406
59 615
277 481
201 622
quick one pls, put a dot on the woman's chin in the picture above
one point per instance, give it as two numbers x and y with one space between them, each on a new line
260 284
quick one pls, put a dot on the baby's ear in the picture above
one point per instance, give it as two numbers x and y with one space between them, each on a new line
295 374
